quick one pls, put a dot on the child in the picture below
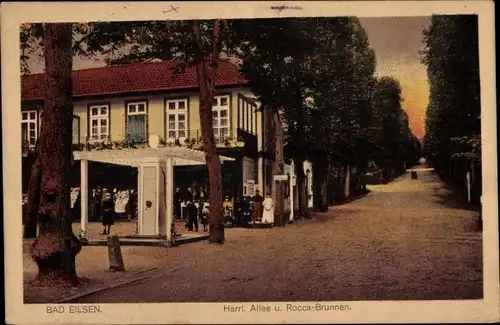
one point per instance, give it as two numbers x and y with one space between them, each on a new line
108 210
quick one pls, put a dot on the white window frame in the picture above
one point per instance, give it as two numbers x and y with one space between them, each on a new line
31 123
136 112
176 112
99 117
218 108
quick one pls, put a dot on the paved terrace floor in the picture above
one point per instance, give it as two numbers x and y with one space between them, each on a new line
408 239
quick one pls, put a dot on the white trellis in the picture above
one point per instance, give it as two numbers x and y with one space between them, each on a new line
153 189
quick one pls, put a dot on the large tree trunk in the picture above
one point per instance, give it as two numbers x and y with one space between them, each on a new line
56 247
206 79
278 169
33 200
320 183
302 190
347 184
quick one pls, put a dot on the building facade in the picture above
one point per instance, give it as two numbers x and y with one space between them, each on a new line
122 106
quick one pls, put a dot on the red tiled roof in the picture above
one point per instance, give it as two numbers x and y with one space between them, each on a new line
131 78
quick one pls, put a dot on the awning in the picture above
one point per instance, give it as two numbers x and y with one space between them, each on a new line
133 156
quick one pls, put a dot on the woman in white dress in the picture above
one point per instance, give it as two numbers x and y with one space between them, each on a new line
268 213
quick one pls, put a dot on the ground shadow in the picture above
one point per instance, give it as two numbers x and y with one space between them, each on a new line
350 199
449 197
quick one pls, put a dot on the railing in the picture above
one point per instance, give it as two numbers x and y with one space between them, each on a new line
27 148
194 137
119 141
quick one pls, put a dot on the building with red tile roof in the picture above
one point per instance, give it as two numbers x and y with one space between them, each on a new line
131 79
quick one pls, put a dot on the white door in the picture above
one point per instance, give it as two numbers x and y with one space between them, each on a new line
149 213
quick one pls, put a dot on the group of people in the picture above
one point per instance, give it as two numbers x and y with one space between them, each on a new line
196 214
102 207
256 209
262 208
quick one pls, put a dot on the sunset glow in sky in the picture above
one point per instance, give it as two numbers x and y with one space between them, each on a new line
396 41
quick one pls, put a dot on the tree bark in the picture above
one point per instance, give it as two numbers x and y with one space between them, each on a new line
33 200
56 247
278 168
206 79
347 184
320 184
302 190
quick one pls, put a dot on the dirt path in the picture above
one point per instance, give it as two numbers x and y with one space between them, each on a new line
404 240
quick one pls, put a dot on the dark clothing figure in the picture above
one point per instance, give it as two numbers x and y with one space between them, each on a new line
258 198
192 216
108 215
203 216
200 194
185 195
257 209
93 209
76 209
243 213
131 206
97 201
177 206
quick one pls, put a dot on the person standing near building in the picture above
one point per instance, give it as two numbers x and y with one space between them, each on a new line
257 207
227 209
268 211
177 205
192 216
204 216
98 203
108 211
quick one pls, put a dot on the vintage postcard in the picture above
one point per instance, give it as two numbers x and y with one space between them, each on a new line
250 162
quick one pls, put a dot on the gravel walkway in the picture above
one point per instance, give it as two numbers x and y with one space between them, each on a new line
405 240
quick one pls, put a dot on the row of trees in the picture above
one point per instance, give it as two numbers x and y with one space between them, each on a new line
319 72
453 121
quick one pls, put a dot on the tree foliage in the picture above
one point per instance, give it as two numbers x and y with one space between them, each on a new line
453 123
453 115
393 135
318 71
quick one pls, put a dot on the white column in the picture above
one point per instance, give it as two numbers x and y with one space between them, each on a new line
467 178
292 194
84 191
260 175
169 192
140 208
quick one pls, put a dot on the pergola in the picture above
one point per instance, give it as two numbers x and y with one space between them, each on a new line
155 181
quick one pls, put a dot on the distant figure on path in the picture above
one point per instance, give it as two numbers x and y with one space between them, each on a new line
257 207
268 204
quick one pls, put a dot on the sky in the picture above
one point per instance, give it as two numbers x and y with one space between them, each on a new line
396 41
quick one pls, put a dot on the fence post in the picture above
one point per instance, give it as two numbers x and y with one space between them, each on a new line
115 254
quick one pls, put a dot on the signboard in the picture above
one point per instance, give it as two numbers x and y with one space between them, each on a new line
250 187
281 177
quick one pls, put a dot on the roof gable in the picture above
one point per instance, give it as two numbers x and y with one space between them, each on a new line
131 78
